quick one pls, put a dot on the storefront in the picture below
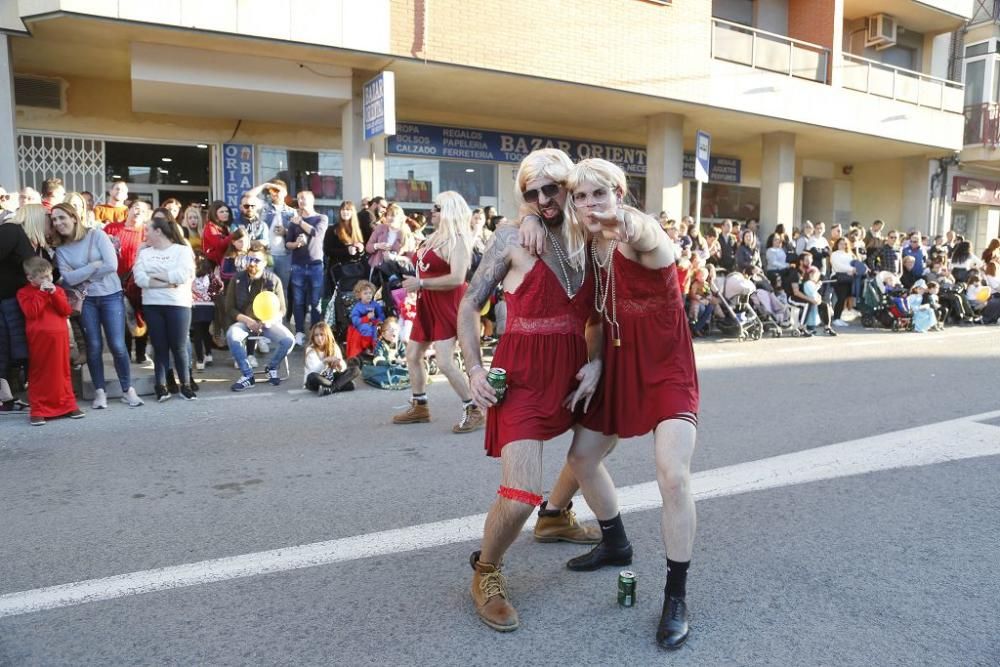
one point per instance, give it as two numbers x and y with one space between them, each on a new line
975 212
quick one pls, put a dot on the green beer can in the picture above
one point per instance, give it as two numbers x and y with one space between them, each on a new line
626 588
497 377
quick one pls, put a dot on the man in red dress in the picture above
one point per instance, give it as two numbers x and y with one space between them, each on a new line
551 356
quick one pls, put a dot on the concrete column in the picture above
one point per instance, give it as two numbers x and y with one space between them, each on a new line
8 133
364 161
665 165
777 182
916 195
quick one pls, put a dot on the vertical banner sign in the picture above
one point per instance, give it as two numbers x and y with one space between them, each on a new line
237 174
379 106
702 162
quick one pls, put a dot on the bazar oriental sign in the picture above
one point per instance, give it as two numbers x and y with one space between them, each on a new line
456 143
976 191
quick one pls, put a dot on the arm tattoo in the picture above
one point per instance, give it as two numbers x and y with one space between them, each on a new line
492 268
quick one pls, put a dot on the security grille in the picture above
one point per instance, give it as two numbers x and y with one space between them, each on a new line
78 162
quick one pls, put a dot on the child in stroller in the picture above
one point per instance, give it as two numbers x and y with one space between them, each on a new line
366 316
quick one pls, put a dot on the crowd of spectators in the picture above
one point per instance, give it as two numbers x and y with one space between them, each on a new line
186 280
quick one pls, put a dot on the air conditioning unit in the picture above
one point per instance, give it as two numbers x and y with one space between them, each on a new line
880 31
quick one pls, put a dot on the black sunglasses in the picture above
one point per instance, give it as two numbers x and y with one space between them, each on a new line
254 260
436 208
550 190
249 205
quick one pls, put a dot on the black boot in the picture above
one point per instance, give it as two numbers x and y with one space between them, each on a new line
673 630
600 556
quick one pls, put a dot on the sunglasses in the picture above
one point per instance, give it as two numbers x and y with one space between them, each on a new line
254 260
550 190
4 197
436 208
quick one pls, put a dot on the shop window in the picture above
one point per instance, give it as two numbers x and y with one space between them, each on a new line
321 172
157 172
415 182
719 201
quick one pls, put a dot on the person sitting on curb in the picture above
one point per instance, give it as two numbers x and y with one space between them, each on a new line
241 292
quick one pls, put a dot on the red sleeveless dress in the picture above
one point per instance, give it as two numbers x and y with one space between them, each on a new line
652 375
542 350
437 310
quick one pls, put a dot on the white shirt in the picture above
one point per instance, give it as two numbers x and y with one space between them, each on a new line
177 262
841 260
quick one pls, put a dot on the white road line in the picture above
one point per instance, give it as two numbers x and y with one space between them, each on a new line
925 445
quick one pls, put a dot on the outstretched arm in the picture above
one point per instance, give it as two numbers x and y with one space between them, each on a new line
491 272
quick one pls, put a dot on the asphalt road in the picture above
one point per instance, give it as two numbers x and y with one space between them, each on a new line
897 567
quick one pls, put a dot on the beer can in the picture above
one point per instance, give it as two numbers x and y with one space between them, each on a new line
497 377
626 588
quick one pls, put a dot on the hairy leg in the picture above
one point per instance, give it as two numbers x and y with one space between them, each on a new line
521 463
445 352
567 485
586 459
415 364
673 446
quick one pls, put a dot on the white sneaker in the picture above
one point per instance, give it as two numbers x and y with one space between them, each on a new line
131 399
263 346
252 360
199 365
300 339
100 400
208 360
840 323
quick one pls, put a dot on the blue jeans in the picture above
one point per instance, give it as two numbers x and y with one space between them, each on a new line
860 271
283 269
278 334
107 312
307 289
168 331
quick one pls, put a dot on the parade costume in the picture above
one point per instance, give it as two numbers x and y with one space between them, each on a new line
542 350
50 387
437 310
649 373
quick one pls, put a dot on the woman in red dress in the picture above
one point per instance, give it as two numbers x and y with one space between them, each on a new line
442 262
45 308
650 380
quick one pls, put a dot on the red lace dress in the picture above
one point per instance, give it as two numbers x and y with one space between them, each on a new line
652 375
437 310
542 350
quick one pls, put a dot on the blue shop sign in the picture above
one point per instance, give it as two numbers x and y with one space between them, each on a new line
237 173
456 143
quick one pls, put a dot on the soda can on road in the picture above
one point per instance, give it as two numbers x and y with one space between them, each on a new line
626 588
497 377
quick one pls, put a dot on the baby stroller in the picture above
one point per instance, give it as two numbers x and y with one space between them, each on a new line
880 310
344 276
739 319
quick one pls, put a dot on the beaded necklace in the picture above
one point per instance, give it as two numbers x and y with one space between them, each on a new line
563 261
601 293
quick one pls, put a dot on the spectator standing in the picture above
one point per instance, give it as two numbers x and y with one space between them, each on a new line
344 242
164 270
278 216
8 206
802 243
50 388
727 246
371 215
388 244
251 221
193 226
305 241
87 261
205 289
53 192
128 237
875 238
842 265
28 195
819 248
888 255
215 237
15 250
748 255
992 252
173 206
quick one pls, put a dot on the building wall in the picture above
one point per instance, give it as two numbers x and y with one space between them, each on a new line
876 192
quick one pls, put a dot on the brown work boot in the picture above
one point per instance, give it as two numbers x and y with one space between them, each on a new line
556 525
489 593
472 418
415 414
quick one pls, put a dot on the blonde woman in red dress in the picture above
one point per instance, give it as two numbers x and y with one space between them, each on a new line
442 262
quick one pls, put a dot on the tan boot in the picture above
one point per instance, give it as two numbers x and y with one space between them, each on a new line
556 525
489 593
415 414
472 418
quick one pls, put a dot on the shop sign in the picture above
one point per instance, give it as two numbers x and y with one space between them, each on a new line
702 153
237 173
455 143
968 190
379 106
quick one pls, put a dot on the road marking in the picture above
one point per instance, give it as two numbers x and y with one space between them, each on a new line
921 446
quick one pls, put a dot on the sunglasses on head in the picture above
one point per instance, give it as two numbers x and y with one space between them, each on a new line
550 190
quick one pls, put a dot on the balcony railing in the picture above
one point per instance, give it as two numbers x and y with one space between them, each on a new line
875 78
760 49
982 124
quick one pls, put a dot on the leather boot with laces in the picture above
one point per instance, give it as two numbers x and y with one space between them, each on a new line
673 630
489 593
561 525
472 418
415 414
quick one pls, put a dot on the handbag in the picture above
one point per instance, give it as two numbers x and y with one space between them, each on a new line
77 295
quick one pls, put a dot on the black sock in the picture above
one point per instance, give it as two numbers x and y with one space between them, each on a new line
677 574
420 399
545 511
613 532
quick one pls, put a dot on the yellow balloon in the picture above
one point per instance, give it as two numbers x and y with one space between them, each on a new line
983 294
485 309
266 307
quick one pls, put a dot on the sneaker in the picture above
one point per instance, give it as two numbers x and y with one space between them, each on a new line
472 418
415 414
37 421
830 332
141 359
208 360
840 323
324 391
300 339
188 393
199 365
252 360
131 398
77 414
172 386
263 346
561 525
272 375
244 383
100 400
489 594
162 393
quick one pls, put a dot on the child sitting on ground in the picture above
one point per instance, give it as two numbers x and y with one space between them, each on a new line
924 318
45 308
388 367
326 372
366 315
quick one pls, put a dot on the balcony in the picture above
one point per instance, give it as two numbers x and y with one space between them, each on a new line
882 80
737 43
982 124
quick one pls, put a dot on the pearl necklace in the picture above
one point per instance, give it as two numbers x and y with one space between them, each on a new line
563 261
601 295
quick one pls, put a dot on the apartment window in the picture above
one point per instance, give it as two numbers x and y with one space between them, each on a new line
980 49
321 172
737 11
975 77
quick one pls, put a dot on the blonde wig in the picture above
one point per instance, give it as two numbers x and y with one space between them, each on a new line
599 172
453 223
555 165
